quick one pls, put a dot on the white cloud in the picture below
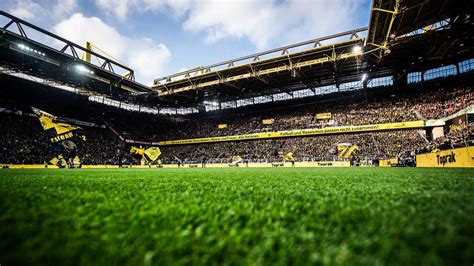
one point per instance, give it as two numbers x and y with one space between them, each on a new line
115 8
263 22
26 9
40 10
64 8
266 22
237 19
120 9
148 58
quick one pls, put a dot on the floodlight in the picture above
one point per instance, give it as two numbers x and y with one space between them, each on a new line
356 48
82 69
364 77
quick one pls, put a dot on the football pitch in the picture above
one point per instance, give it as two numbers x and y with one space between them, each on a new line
356 216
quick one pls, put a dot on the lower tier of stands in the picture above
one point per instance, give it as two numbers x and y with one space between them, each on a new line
375 145
23 141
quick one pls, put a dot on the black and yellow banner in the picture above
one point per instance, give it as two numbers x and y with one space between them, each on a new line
58 131
153 153
150 154
300 132
62 137
345 150
48 122
460 157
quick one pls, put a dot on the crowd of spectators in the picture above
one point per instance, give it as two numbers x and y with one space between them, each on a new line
344 112
375 145
442 103
457 136
22 140
101 147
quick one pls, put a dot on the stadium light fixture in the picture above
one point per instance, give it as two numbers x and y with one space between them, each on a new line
356 48
28 49
82 69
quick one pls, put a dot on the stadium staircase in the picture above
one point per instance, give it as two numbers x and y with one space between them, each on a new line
114 131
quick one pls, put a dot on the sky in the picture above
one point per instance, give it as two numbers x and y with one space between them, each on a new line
161 37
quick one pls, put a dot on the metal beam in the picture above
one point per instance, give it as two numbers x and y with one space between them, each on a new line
384 10
284 68
256 56
21 22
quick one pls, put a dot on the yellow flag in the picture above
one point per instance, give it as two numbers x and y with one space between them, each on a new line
153 153
139 151
345 150
77 160
289 157
62 128
351 150
47 122
236 159
54 161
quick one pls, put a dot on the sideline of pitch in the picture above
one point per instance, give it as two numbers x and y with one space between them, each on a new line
460 157
196 165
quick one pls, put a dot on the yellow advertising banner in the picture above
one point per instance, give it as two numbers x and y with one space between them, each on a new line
222 126
209 165
323 116
268 121
460 157
300 132
265 165
388 162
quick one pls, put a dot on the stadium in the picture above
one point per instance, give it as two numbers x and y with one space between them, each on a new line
352 148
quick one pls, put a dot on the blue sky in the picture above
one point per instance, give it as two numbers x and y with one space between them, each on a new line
159 37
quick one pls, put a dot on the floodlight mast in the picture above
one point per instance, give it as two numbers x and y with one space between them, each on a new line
86 56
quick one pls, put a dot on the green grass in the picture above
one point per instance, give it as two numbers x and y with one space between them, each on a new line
313 216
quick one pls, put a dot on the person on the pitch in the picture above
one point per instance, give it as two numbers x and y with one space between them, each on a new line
71 150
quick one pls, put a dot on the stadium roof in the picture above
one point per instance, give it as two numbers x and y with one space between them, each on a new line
277 70
20 52
408 36
393 18
403 36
